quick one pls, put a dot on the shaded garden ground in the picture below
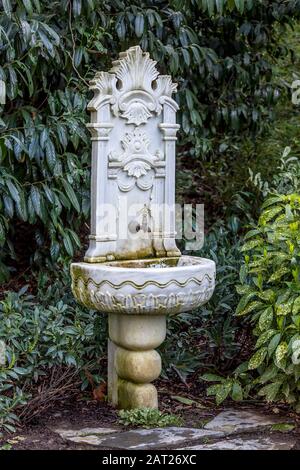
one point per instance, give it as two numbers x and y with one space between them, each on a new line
82 412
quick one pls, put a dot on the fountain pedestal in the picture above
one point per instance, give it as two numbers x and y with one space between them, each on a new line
133 270
137 298
133 362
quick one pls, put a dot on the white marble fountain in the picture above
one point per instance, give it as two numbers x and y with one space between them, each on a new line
133 269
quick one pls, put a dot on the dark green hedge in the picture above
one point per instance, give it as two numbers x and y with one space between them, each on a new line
219 51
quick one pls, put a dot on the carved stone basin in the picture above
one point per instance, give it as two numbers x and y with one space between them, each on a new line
160 286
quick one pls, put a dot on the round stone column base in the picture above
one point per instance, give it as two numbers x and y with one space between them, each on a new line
132 395
132 360
137 366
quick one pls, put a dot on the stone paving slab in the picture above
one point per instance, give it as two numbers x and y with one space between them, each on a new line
90 435
237 421
138 439
263 443
157 438
218 434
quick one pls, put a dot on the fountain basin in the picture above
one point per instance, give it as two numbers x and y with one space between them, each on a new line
158 286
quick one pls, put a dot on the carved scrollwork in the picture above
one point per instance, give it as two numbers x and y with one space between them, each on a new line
127 182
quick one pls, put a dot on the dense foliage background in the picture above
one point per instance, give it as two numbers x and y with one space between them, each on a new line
220 53
231 60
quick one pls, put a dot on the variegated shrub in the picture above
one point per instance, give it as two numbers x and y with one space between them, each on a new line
270 289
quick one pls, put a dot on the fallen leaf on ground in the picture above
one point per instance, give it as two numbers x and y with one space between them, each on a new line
187 401
99 392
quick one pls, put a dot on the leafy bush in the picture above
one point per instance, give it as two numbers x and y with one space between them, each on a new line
286 178
48 346
270 289
50 50
271 294
209 337
148 418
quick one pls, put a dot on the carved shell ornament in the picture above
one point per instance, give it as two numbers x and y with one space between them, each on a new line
133 87
137 168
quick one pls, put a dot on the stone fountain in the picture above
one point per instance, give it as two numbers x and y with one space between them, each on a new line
133 270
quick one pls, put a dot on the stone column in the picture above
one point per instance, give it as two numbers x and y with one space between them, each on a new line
169 130
133 362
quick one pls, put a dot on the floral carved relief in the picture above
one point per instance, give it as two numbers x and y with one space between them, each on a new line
136 163
160 300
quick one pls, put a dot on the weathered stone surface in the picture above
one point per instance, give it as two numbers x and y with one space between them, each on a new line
137 366
263 443
138 439
131 395
236 421
137 333
112 376
133 128
156 438
91 436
